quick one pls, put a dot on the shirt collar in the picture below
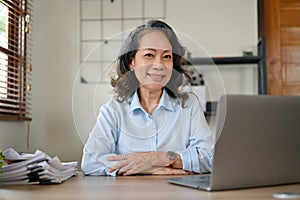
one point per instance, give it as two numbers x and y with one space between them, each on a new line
166 102
134 102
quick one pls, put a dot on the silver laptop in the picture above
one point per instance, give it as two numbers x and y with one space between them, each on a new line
259 144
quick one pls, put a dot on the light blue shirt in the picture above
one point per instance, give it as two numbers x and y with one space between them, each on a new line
123 128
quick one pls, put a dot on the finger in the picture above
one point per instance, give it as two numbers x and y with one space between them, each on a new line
169 171
130 172
120 173
117 166
116 158
111 170
135 168
178 172
125 169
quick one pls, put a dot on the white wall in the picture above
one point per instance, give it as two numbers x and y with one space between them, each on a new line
222 27
56 52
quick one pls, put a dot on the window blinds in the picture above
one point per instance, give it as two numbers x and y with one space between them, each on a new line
15 59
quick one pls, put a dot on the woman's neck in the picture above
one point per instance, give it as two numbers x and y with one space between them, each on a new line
149 99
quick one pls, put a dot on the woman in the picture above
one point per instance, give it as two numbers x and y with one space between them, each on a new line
152 126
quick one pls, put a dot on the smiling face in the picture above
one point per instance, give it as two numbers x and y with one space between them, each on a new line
153 62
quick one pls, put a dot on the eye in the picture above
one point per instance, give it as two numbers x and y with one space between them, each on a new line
168 56
149 55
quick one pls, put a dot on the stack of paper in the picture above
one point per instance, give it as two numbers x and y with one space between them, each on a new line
37 168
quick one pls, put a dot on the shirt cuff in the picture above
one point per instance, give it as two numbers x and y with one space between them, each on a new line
114 173
190 161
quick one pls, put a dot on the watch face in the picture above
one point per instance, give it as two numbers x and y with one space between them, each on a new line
172 155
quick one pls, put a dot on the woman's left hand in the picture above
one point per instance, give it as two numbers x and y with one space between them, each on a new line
137 162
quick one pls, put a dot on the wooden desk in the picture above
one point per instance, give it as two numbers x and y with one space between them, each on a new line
131 187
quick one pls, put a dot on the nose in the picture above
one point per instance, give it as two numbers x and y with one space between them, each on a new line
158 63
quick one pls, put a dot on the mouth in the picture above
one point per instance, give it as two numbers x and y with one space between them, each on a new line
156 77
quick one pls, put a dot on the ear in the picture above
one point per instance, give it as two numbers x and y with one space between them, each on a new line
131 63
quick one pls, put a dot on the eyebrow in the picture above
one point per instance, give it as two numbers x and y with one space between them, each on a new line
151 49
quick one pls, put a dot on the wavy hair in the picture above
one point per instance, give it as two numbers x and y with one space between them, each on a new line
125 82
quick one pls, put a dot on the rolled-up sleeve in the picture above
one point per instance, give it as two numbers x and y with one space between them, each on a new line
197 159
198 155
100 145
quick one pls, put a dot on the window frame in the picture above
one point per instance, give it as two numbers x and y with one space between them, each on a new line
15 105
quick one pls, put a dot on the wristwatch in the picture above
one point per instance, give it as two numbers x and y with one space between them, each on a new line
172 156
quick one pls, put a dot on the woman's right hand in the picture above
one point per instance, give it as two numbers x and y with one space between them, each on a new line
143 163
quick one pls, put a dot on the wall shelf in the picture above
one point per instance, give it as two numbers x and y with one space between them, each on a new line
225 60
259 60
